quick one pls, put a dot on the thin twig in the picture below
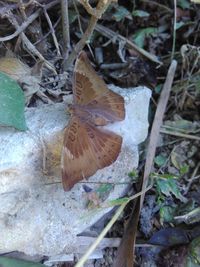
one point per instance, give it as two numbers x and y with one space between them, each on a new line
80 26
26 23
22 9
31 48
79 46
52 32
48 33
7 8
99 10
66 30
114 66
78 17
106 242
174 32
110 34
179 134
22 27
101 7
193 177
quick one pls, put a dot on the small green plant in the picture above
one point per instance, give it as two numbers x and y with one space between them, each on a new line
12 103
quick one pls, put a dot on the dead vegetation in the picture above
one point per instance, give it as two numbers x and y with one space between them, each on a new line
153 43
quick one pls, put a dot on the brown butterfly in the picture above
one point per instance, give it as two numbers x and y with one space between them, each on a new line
86 147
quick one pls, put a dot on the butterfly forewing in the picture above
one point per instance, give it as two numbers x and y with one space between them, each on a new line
87 84
90 90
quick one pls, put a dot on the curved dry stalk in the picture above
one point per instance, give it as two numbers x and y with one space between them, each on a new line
151 150
100 9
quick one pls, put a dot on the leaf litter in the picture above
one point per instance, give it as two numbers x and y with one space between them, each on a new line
171 207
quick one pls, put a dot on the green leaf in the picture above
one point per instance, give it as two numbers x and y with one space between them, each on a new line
179 25
167 214
104 189
10 262
121 13
176 159
184 4
72 16
181 125
186 207
140 35
158 88
11 103
168 187
184 169
140 13
193 258
133 175
160 160
118 201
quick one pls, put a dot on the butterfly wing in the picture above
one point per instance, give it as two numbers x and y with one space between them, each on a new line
86 149
109 106
90 90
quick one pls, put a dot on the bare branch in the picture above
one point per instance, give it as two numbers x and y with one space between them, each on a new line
21 27
30 47
52 32
100 9
66 31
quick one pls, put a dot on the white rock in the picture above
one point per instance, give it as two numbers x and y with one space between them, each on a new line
36 215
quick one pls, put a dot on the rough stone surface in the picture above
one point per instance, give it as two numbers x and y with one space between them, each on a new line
36 215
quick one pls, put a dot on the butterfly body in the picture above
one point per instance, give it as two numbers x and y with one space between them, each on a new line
86 147
94 115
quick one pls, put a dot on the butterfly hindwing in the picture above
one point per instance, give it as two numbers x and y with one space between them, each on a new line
86 149
106 145
76 154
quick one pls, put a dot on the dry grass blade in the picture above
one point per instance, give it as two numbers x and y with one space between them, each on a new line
85 257
125 250
181 135
125 256
157 125
101 236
